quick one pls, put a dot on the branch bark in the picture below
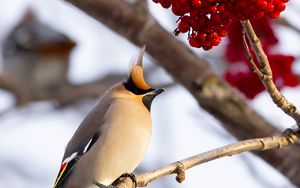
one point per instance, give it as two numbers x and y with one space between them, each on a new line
211 92
63 95
275 142
264 73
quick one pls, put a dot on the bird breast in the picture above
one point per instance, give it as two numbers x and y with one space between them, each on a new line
123 142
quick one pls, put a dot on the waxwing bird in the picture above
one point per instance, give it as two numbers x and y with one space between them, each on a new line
112 140
36 56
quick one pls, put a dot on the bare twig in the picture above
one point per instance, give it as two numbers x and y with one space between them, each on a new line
275 142
264 73
284 22
255 69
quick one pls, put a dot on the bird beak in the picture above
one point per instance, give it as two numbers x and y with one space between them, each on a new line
149 96
159 91
156 92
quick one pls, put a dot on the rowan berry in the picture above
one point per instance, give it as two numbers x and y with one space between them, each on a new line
212 16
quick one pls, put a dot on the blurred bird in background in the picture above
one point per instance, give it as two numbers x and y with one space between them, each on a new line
36 57
113 138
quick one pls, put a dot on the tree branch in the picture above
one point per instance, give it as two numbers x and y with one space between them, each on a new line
285 22
275 142
211 92
63 95
265 73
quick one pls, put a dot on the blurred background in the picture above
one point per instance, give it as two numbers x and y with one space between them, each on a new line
56 60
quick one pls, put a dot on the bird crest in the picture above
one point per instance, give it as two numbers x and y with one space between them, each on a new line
136 72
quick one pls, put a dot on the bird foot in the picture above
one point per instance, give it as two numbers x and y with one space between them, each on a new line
131 176
104 186
126 175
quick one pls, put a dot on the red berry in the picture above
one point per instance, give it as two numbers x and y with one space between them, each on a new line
196 3
274 15
262 4
269 7
216 41
184 25
221 8
201 36
213 9
280 7
258 15
194 42
222 32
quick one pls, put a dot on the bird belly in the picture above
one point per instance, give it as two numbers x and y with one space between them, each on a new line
127 147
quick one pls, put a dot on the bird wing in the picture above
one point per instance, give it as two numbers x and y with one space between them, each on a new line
83 139
88 127
68 164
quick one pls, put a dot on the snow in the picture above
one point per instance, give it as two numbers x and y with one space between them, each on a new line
33 138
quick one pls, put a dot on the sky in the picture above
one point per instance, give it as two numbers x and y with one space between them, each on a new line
33 138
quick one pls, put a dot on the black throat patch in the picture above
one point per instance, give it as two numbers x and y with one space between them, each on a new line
130 86
147 100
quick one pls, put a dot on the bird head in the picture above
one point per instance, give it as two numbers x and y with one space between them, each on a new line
137 85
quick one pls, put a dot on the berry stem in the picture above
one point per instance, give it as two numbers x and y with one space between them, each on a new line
254 68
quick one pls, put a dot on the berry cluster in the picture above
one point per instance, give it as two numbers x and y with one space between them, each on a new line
253 9
206 20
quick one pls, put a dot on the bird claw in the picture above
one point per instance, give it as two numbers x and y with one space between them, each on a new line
131 176
126 175
103 186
